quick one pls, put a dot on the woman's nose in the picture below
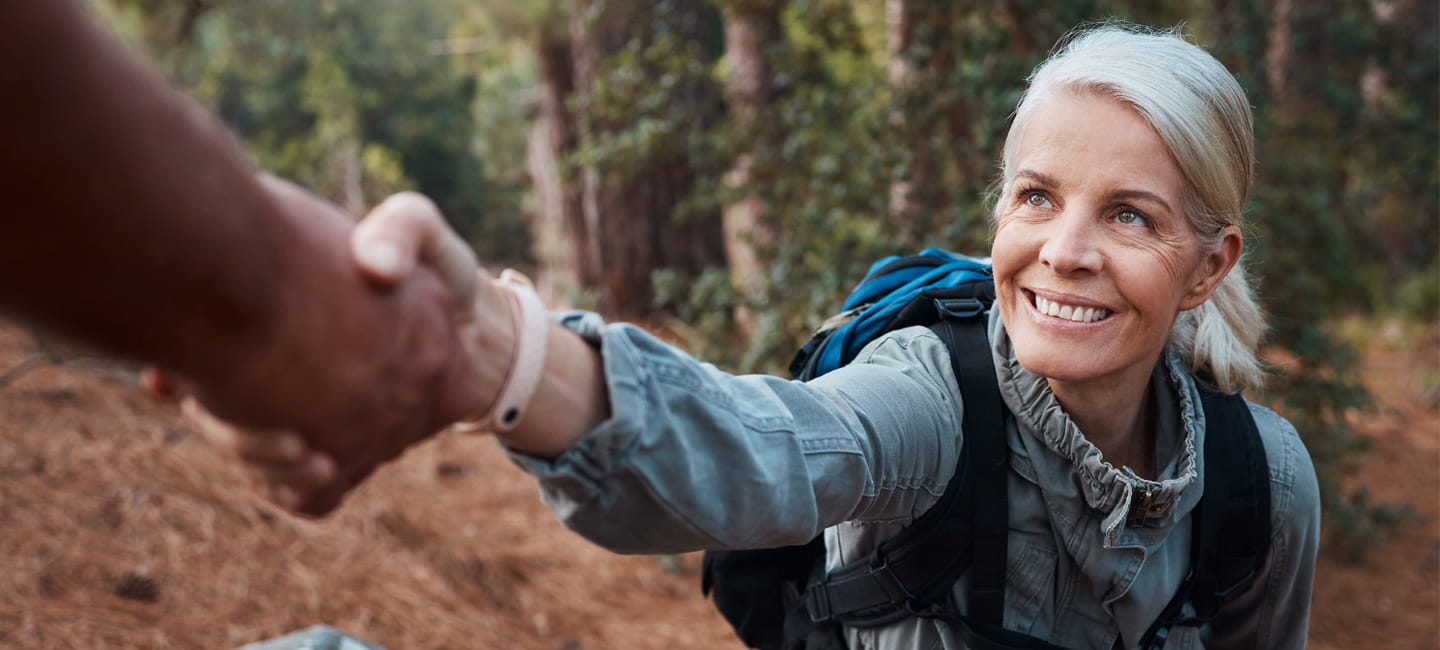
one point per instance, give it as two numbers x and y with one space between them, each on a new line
1071 245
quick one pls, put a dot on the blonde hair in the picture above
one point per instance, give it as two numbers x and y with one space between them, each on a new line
1204 119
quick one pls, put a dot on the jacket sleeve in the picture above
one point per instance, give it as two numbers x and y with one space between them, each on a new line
1275 613
693 457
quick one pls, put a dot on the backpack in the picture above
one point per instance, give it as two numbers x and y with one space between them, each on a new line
785 599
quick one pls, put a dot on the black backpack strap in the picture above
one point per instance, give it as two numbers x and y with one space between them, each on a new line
985 443
1237 534
912 572
1230 529
983 636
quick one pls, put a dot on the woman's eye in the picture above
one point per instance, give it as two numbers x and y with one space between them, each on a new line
1036 200
1131 218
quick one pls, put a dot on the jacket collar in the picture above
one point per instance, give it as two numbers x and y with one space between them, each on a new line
1066 463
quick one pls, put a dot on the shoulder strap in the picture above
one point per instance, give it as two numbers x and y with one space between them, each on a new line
1230 529
1237 532
915 569
985 443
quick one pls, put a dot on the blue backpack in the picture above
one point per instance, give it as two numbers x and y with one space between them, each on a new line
898 292
785 599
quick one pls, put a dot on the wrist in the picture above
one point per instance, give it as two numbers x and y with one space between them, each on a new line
511 386
571 400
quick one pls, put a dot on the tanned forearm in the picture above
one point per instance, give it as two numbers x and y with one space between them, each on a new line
127 205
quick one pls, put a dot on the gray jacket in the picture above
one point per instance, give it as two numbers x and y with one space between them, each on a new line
695 458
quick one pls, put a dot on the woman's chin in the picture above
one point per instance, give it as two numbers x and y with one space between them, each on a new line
1068 370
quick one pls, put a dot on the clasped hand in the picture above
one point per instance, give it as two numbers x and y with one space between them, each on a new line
336 433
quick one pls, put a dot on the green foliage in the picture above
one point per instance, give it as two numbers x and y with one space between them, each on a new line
356 99
1418 297
823 162
702 305
646 103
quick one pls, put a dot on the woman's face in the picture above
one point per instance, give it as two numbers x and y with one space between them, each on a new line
1093 255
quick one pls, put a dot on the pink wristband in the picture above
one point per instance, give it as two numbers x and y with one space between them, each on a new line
527 361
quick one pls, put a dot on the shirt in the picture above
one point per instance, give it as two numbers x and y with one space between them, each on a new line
696 458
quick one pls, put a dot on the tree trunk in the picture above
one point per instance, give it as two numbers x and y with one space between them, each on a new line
752 29
553 249
913 24
629 214
590 41
1278 51
1018 28
899 31
564 245
935 120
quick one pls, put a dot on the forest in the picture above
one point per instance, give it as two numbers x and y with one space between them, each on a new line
725 171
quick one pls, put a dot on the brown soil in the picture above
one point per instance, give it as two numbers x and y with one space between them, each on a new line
123 530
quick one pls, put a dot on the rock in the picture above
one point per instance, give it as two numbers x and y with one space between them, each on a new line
320 637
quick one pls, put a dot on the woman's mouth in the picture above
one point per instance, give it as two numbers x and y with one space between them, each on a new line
1073 313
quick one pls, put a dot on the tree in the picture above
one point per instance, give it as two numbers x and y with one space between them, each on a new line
644 94
752 33
348 97
557 141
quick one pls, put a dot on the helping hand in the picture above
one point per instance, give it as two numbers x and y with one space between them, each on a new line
355 404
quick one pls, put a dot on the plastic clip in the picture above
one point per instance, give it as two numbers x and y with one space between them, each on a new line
959 307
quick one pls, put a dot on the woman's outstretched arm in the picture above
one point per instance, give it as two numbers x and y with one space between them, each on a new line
641 448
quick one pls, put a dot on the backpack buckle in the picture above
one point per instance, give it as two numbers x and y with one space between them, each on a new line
959 307
817 603
888 582
1226 594
866 596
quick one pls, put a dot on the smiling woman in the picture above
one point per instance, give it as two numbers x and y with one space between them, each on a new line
1093 264
1124 185
1201 120
1120 299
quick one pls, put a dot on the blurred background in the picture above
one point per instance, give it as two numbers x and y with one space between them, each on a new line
722 172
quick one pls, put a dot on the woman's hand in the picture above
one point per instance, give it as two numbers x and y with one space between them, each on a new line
406 230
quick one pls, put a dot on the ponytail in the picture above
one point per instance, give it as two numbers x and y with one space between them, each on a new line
1221 337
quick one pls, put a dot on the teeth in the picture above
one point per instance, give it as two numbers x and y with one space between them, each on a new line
1069 312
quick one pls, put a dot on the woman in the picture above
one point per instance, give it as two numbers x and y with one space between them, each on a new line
1116 256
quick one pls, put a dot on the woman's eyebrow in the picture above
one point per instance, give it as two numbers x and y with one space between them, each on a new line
1043 179
1121 195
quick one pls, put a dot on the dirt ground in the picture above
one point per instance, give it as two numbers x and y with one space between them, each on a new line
119 528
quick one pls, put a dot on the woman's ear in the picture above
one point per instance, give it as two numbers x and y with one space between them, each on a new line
1214 265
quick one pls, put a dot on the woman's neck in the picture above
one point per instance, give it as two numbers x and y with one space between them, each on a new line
1117 417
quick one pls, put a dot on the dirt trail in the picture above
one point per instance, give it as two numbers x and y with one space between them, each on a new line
123 530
